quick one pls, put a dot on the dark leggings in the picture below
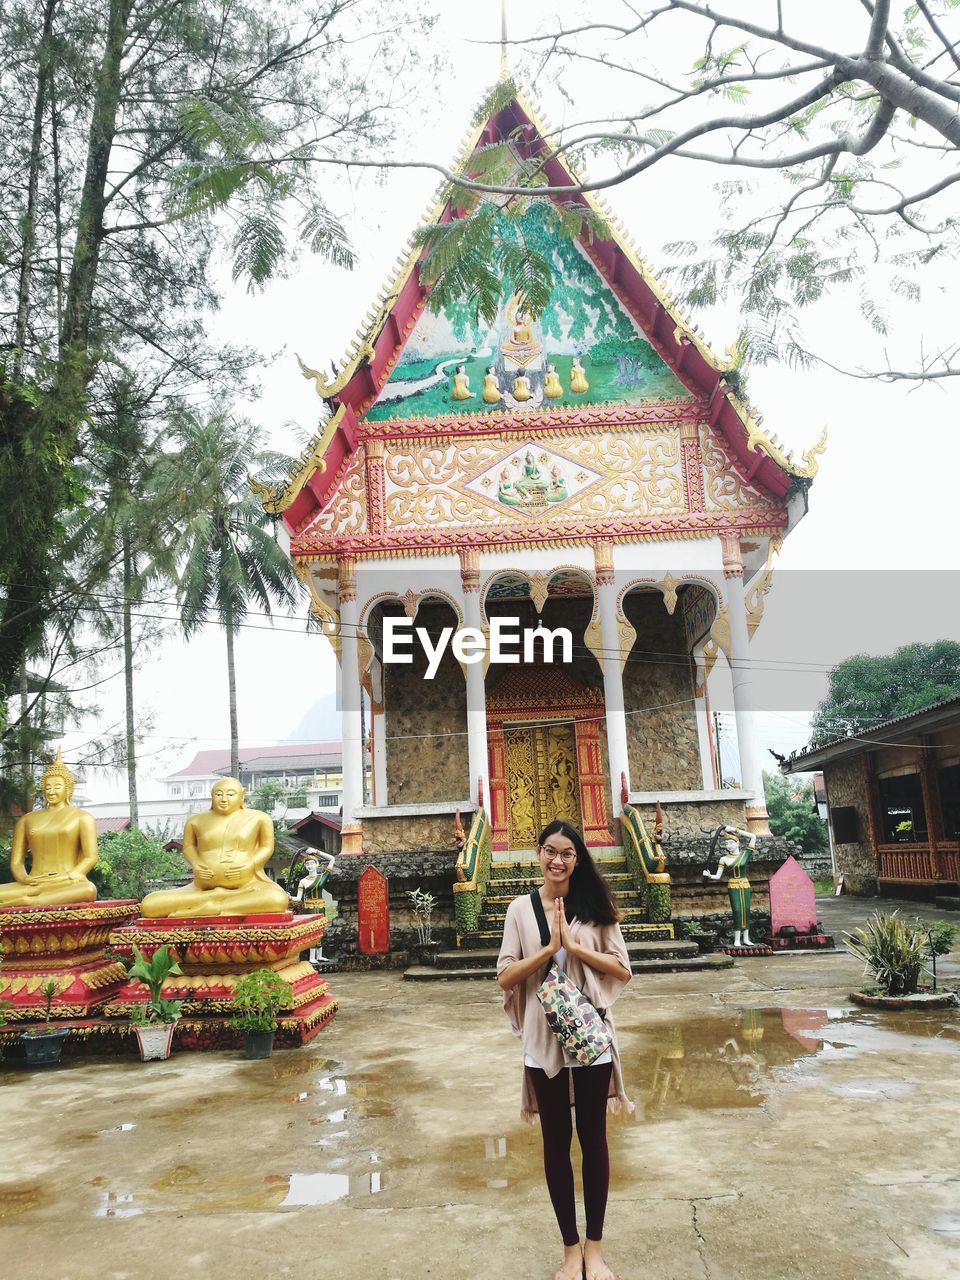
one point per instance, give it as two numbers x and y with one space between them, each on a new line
590 1086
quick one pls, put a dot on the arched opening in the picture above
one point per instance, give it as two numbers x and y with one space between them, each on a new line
424 720
546 749
659 692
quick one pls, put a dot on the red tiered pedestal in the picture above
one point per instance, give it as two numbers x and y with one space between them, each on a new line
67 944
213 952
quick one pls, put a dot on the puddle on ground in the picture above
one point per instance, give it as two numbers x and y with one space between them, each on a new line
946 1224
118 1204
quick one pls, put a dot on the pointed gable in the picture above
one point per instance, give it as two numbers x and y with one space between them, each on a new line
608 316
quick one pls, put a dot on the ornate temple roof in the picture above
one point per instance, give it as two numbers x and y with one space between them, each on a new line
368 365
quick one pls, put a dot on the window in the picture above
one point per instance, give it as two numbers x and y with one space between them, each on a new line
176 790
844 822
902 815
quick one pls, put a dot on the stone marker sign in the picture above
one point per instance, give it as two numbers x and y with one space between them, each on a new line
792 899
373 912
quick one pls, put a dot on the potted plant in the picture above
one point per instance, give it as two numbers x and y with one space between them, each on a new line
154 1020
904 831
697 932
894 952
42 1045
423 905
258 997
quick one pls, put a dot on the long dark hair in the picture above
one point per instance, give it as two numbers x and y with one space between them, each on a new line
589 897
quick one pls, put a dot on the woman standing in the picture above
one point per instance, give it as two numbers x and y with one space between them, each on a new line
586 941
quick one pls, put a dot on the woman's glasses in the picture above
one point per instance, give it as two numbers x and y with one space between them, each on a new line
555 853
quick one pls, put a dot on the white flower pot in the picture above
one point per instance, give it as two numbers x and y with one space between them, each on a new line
155 1039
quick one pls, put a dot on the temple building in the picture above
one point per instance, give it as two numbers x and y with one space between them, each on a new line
591 468
893 801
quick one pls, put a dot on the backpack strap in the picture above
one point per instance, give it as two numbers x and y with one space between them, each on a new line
541 915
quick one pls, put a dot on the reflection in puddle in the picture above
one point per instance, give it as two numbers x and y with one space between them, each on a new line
946 1224
120 1128
118 1204
873 1089
738 1059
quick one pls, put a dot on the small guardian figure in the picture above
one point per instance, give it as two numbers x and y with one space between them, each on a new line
310 891
734 858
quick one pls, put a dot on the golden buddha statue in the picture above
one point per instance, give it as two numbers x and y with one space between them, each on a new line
62 842
227 848
461 385
552 388
578 378
491 388
521 348
521 388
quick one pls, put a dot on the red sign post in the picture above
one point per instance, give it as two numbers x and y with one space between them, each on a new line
373 912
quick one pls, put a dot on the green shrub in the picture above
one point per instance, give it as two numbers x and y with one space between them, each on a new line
892 951
258 997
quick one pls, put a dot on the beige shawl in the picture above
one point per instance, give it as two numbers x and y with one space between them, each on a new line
521 937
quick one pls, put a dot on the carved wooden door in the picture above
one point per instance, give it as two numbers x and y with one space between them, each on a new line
542 780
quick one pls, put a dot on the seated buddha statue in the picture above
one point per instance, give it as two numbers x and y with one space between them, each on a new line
62 843
552 388
521 388
491 388
521 348
461 385
578 378
227 848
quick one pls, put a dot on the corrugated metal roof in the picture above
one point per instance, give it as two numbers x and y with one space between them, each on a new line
205 764
866 737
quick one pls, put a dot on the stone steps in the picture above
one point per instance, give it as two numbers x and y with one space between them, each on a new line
645 957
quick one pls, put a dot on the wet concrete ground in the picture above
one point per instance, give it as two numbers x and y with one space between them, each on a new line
779 1131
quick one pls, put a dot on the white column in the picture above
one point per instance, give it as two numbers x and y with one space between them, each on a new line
479 762
379 732
701 705
352 727
617 751
751 769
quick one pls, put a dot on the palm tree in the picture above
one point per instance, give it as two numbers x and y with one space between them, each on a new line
120 536
225 549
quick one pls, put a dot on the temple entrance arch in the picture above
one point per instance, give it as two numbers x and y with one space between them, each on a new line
545 732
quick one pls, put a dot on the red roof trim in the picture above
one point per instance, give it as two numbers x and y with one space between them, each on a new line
681 355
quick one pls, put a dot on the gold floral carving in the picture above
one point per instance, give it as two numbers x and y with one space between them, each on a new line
328 617
723 488
720 631
669 587
542 779
593 638
626 635
539 584
760 588
640 475
365 658
346 513
711 652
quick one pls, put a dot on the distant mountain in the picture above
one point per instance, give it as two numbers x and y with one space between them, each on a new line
321 722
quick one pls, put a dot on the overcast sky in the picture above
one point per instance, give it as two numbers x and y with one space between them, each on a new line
871 566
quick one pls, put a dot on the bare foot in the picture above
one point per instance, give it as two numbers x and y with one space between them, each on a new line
572 1268
595 1267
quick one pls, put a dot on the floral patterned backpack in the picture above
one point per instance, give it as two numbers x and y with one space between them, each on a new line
571 1017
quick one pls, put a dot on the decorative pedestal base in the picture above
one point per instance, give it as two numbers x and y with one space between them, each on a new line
214 952
748 951
64 943
801 942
